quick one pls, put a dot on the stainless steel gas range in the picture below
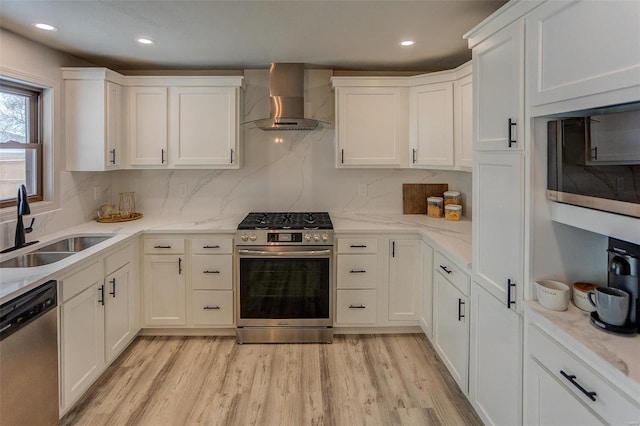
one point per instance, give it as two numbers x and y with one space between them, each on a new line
284 285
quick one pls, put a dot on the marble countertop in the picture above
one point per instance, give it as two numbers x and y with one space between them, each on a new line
453 238
614 356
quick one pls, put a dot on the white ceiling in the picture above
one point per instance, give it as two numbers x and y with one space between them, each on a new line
237 34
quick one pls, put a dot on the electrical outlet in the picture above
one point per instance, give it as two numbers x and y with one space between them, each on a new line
97 192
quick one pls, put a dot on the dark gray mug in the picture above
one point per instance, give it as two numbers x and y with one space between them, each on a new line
612 304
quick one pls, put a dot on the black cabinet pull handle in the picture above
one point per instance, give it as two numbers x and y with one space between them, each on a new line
358 246
113 284
512 123
357 307
113 156
162 156
211 247
460 305
208 308
393 249
231 156
357 271
179 266
414 156
595 154
101 301
210 272
162 247
342 156
444 268
572 379
509 285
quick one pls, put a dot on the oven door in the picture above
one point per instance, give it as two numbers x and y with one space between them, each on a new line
284 286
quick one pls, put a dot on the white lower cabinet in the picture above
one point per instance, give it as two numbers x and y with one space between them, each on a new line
451 329
405 277
495 380
426 313
563 389
118 316
164 290
212 307
81 332
356 307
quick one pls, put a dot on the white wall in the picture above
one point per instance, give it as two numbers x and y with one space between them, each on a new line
296 175
71 201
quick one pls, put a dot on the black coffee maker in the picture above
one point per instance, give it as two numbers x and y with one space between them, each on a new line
624 274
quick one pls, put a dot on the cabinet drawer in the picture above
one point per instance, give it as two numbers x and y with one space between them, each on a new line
164 246
214 272
211 245
610 403
212 307
357 245
452 272
85 278
356 307
118 259
357 271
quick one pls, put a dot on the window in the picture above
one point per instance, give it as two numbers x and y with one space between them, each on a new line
20 141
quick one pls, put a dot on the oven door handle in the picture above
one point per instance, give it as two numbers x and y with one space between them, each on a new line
285 253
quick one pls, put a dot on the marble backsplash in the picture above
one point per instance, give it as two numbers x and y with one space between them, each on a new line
286 171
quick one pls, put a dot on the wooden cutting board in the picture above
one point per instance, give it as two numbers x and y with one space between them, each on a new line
414 196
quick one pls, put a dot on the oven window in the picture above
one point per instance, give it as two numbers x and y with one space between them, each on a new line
284 288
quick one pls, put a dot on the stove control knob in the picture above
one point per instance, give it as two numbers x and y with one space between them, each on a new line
325 237
244 237
316 237
253 237
307 237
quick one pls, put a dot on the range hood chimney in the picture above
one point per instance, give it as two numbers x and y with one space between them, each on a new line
286 100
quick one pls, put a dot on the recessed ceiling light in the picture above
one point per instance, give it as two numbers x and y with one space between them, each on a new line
407 43
143 40
45 27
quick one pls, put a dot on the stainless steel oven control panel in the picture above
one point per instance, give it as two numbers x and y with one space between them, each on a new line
288 237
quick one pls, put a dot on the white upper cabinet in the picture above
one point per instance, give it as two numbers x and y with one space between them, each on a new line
463 121
147 126
93 119
498 73
371 122
431 124
203 126
576 49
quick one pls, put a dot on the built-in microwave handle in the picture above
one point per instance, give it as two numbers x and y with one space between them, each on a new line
285 253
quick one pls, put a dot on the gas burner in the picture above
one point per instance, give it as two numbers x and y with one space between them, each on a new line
287 220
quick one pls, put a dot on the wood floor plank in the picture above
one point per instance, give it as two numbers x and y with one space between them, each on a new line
357 380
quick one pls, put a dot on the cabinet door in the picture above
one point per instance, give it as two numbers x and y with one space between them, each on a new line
431 124
114 129
498 88
451 329
164 290
549 403
405 276
118 315
82 339
371 126
498 228
147 126
426 316
463 121
581 48
495 378
203 126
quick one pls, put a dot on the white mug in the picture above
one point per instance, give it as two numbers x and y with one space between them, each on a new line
612 304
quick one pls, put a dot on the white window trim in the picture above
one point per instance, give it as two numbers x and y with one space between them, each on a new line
51 150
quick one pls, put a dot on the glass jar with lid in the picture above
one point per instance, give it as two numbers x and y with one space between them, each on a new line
434 206
452 212
452 197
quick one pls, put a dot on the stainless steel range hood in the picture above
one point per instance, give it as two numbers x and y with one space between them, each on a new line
286 99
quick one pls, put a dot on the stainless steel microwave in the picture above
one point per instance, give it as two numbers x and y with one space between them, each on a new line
594 161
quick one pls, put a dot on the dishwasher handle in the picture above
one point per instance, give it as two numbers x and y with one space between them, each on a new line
19 312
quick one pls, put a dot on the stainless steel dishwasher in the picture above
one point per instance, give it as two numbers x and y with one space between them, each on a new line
29 358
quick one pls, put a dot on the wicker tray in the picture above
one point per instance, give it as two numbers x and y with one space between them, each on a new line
115 218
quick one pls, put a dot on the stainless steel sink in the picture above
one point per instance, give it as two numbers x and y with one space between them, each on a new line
54 252
74 244
30 260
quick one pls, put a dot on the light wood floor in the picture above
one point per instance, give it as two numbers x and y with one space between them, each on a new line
357 380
